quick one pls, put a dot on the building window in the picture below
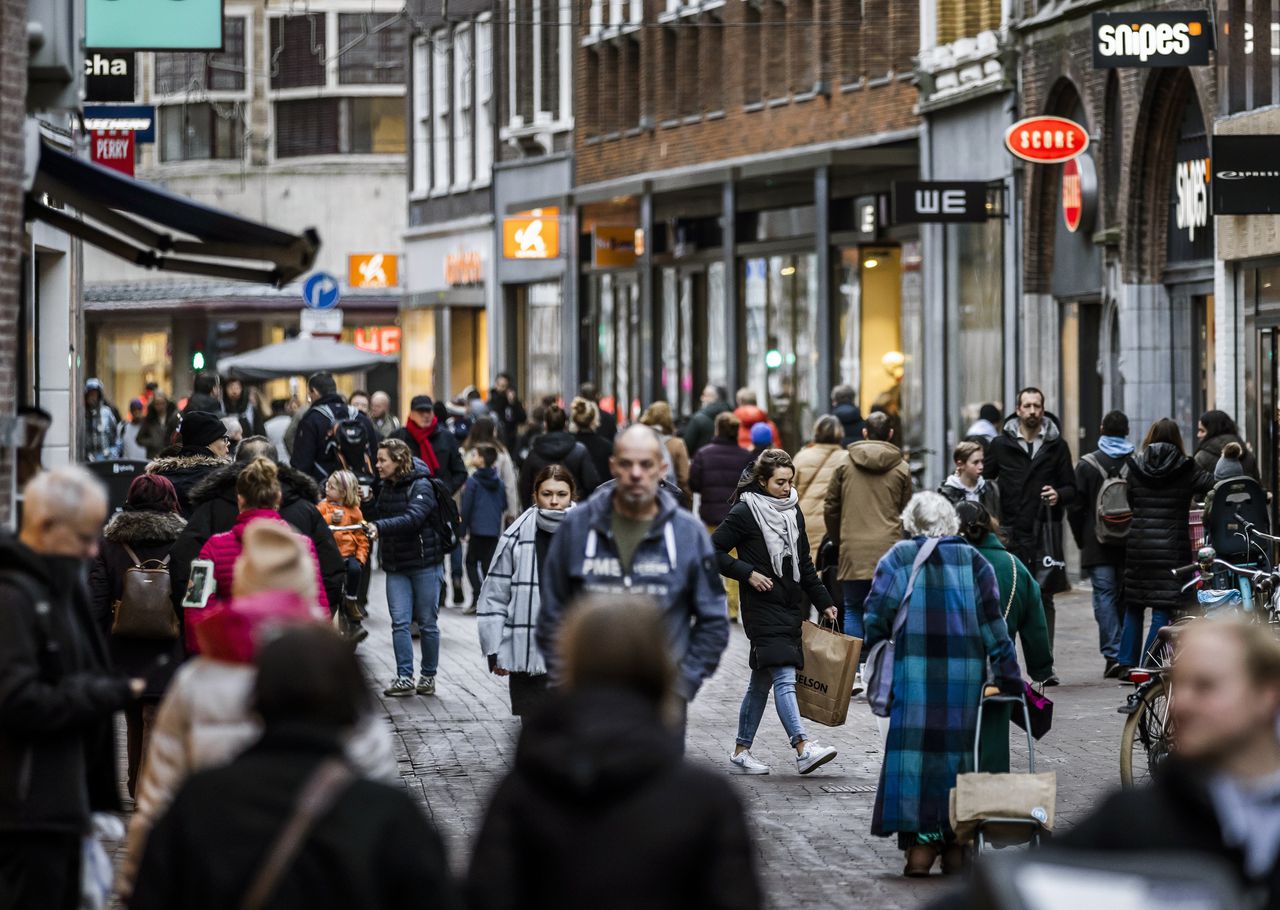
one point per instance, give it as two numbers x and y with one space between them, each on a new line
590 92
464 75
629 83
441 95
775 40
686 73
751 46
850 35
804 41
484 100
421 115
668 87
548 75
373 49
220 72
214 127
339 126
1249 57
710 72
877 37
200 132
298 51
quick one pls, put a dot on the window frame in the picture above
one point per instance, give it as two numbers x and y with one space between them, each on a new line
167 103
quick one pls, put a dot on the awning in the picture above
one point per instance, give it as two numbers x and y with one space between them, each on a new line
300 356
130 221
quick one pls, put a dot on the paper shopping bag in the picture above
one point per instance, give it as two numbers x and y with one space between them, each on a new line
825 684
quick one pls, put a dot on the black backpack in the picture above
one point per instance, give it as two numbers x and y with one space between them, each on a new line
346 446
444 519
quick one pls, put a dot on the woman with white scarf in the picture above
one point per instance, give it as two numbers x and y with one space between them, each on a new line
509 601
779 583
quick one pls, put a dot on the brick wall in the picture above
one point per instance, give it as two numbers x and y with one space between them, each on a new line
13 91
700 105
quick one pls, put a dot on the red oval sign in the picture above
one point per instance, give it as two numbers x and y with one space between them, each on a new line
1046 140
1072 196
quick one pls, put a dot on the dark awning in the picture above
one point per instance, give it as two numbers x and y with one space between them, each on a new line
119 205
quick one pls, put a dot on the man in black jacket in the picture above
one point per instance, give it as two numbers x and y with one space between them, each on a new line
57 694
205 447
428 429
507 409
1103 563
1032 464
205 395
702 425
316 425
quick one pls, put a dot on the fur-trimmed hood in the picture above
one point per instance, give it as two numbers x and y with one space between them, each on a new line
221 484
144 527
172 464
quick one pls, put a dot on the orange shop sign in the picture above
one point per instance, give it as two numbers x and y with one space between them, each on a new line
463 267
1046 140
534 234
372 270
615 246
379 339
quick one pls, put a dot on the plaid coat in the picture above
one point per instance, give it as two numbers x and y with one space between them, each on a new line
507 611
954 627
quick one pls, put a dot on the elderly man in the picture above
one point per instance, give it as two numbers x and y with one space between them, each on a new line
632 538
57 755
384 421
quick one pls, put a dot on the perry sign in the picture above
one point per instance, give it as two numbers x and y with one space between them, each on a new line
1046 140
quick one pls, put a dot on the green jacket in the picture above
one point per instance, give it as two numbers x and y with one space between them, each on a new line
1025 619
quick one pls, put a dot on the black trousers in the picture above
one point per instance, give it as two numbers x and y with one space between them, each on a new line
355 574
39 871
479 555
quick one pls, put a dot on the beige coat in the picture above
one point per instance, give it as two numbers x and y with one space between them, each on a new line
204 722
869 489
815 465
680 462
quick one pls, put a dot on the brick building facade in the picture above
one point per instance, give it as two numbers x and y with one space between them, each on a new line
13 92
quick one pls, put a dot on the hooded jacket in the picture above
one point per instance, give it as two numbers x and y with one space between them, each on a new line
562 448
1162 481
863 508
225 548
57 695
956 492
186 469
1210 450
715 473
851 419
674 564
1022 477
748 416
151 535
406 540
815 465
702 425
598 803
214 511
484 501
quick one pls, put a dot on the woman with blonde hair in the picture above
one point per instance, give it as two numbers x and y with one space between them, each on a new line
585 417
815 465
658 415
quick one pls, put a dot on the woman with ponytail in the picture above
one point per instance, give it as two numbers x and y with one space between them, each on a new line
509 599
778 584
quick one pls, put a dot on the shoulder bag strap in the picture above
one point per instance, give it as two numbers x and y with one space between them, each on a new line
318 795
922 556
141 564
1013 586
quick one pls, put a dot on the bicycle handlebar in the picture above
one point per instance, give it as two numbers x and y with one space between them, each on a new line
1183 570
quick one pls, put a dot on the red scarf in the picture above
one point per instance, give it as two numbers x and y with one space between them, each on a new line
422 436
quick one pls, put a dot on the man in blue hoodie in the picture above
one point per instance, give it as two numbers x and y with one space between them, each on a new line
632 538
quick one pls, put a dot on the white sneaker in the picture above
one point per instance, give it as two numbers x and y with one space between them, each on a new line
746 763
858 685
814 757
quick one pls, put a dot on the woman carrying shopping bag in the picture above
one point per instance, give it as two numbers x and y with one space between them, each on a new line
779 583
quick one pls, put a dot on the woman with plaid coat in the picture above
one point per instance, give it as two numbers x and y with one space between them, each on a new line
954 630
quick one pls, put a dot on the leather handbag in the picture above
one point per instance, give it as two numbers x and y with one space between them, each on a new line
1039 708
145 609
878 673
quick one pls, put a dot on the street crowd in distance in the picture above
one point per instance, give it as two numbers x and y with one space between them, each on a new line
220 607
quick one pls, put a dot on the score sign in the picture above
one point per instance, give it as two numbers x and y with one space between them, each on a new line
1046 140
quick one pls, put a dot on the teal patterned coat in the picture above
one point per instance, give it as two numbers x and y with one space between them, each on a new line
954 629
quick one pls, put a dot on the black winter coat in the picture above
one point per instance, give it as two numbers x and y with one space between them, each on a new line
402 514
453 470
186 469
715 473
772 619
702 426
151 535
214 511
1083 515
313 434
373 849
600 450
1210 450
562 448
600 811
851 419
1021 478
57 697
1162 481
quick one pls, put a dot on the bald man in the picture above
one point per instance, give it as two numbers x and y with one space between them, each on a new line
384 421
631 537
57 694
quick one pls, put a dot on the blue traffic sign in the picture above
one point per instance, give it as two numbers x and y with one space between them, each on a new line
321 291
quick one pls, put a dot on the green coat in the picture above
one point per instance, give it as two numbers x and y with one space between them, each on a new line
1025 619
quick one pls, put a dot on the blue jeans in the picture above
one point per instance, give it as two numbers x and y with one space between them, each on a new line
1107 609
855 605
415 595
783 681
1132 634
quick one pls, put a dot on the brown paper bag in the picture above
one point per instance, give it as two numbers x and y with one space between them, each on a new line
825 685
979 797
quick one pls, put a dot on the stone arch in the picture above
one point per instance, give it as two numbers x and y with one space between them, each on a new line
1041 208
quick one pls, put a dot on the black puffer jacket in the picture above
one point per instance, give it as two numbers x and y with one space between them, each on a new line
1162 481
562 448
771 619
186 469
151 535
402 514
1210 450
214 511
600 450
1021 479
715 473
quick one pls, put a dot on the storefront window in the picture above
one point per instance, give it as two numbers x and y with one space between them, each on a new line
130 357
541 340
781 310
717 319
975 304
417 352
683 313
617 307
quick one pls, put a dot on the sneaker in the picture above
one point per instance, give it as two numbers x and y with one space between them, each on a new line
858 685
746 763
427 685
458 595
1052 680
1112 669
402 687
814 757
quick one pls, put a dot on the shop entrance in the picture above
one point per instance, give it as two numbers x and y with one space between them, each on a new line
616 304
534 346
694 345
1081 380
869 285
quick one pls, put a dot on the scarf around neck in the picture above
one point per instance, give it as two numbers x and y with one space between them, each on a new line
777 521
549 519
422 436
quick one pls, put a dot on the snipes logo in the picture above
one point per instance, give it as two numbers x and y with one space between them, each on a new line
1148 39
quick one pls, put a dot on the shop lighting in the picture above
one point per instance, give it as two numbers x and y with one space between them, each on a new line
788 271
773 359
870 263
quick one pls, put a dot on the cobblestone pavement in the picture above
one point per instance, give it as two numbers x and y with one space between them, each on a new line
814 846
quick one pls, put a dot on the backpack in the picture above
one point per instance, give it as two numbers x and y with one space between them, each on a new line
347 445
145 608
444 519
1113 514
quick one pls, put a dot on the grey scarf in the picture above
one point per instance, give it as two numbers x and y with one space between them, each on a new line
549 519
777 521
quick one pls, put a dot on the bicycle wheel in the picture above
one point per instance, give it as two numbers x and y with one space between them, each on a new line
1145 743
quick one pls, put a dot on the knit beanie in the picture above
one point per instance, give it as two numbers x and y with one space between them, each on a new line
200 428
1229 464
761 434
274 558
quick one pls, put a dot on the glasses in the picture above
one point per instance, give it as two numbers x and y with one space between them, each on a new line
227 440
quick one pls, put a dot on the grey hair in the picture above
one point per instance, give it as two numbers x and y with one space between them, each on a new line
62 492
930 515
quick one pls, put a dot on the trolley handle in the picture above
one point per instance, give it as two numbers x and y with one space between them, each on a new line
1026 716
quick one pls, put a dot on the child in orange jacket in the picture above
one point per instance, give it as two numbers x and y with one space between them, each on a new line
341 509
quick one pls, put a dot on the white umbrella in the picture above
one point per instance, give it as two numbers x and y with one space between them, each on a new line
300 356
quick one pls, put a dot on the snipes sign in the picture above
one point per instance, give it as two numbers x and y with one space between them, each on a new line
1181 38
1046 140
